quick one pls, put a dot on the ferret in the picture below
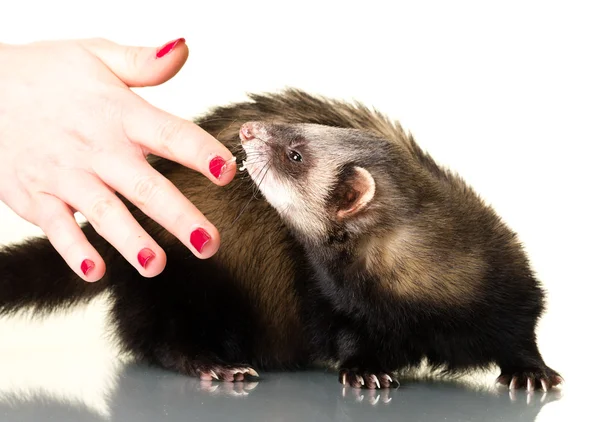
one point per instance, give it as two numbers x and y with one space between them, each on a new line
342 242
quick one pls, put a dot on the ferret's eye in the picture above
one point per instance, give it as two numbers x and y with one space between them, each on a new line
295 156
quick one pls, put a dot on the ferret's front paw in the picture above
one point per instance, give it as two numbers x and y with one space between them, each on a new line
224 372
358 378
531 379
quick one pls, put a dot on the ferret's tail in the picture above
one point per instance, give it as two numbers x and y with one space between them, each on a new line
34 276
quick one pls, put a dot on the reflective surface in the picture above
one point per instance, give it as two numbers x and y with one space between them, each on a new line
66 367
507 96
144 394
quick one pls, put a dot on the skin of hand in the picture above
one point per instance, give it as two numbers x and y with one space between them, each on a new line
72 133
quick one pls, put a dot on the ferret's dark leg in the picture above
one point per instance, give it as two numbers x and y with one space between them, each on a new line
202 364
360 366
191 318
523 367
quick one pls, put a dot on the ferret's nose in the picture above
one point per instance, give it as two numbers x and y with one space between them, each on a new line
249 130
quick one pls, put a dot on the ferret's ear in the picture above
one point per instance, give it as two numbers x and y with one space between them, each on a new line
356 192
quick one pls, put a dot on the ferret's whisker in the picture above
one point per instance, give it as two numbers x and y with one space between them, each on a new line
216 119
224 129
256 188
266 167
261 140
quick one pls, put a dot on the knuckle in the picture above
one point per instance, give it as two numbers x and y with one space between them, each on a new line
28 175
107 109
52 219
54 224
145 188
101 208
181 220
132 57
169 133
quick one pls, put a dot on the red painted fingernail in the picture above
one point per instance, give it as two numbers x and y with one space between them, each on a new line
168 47
86 266
145 256
199 238
216 166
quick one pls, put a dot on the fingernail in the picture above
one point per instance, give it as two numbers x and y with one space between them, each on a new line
168 47
216 166
199 238
86 266
145 256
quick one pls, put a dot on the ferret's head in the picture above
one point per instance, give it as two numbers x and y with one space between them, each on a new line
330 185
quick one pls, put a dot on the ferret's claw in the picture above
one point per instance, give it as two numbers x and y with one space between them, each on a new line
375 400
531 379
530 385
251 386
223 372
366 379
374 378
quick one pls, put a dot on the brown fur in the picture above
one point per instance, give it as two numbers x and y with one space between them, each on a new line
262 269
403 260
424 269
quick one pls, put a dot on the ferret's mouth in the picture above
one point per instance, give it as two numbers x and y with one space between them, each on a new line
246 132
243 156
255 149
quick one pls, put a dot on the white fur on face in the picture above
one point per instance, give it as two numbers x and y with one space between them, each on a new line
280 192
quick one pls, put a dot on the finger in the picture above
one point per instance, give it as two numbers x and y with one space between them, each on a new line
178 140
112 220
18 199
140 66
58 223
158 198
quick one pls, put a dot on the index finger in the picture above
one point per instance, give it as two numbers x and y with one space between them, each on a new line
179 140
158 198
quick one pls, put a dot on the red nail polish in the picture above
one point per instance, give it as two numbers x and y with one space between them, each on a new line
199 238
168 47
86 266
145 256
216 166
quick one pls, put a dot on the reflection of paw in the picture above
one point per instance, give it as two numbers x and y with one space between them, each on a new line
364 379
229 389
225 372
534 379
372 397
534 397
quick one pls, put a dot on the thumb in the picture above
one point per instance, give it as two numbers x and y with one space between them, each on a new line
140 66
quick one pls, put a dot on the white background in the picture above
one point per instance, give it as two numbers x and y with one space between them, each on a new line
506 94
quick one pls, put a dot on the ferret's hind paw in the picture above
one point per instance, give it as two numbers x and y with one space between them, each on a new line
230 373
365 379
535 379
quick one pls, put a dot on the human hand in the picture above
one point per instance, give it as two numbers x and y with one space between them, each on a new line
72 133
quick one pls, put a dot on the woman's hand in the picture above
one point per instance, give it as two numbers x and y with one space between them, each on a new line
72 133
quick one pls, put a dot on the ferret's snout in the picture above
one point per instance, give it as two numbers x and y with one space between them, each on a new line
246 132
252 130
